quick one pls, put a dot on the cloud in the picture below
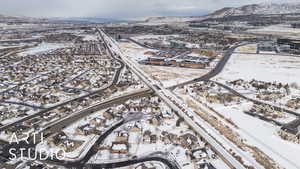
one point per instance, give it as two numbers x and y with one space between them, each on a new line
116 8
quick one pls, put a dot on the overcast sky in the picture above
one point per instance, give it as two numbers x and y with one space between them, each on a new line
121 9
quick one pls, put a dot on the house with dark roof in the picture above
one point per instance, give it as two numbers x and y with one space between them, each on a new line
291 131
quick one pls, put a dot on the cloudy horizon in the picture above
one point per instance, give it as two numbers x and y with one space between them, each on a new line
118 9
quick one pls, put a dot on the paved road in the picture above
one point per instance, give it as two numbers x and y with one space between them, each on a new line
171 100
159 90
81 162
293 163
40 113
24 104
62 123
25 82
215 71
59 125
157 156
140 44
218 69
277 108
112 83
132 116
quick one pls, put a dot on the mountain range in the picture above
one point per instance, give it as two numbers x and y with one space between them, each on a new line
253 9
87 19
258 9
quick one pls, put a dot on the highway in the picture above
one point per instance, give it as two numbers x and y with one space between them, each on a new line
62 123
167 96
219 67
80 163
174 103
215 71
40 113
112 83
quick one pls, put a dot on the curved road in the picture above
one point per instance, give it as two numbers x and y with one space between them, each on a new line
215 71
80 163
277 108
174 103
170 164
113 82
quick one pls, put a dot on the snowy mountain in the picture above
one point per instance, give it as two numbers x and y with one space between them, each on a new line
258 9
253 9
20 19
87 19
172 19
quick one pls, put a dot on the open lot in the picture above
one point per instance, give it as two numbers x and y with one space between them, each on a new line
268 68
168 76
277 30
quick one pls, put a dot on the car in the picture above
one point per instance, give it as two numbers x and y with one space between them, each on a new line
185 164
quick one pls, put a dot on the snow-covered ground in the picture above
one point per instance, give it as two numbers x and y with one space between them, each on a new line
252 48
43 47
267 68
88 37
168 76
263 67
195 109
141 37
264 136
277 29
87 141
257 133
7 47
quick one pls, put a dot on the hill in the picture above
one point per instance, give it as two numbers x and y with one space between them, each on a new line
248 10
258 9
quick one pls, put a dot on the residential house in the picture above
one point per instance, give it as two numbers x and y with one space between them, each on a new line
119 147
291 131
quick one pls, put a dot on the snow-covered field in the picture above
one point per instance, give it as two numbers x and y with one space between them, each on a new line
6 47
267 68
257 132
168 76
88 37
141 37
252 48
43 47
277 29
264 136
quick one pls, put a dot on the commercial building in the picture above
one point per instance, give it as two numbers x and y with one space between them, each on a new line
177 62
